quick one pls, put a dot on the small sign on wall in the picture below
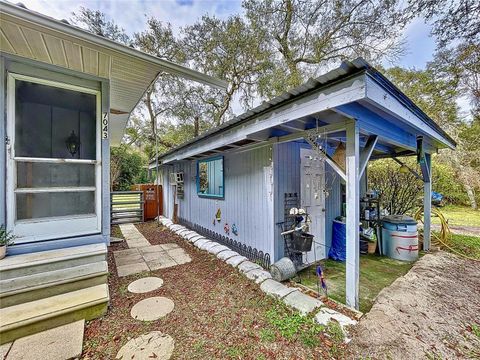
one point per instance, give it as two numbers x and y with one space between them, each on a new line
105 125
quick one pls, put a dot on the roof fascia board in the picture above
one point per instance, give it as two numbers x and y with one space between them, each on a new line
167 66
325 98
381 97
374 124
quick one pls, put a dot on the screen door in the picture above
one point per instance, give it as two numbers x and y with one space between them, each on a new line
53 165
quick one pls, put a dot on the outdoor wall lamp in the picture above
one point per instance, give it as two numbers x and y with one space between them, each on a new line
73 143
404 169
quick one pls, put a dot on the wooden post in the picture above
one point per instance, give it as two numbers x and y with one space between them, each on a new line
353 216
427 202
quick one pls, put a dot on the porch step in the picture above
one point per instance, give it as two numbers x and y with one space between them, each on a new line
15 266
37 286
35 316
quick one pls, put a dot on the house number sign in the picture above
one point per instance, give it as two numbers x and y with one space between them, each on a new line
105 125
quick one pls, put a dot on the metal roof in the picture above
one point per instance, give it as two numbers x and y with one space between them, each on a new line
31 35
346 69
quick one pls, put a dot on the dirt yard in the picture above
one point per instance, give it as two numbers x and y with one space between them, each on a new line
218 314
433 312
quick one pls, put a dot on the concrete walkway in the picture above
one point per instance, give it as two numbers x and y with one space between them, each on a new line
63 342
133 237
142 256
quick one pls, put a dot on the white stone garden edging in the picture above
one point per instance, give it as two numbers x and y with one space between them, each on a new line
292 297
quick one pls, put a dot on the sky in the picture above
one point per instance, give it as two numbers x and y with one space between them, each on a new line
132 15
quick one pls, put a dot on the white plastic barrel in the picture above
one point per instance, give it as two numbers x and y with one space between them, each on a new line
400 245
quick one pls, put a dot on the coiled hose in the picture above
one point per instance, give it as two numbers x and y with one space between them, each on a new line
443 238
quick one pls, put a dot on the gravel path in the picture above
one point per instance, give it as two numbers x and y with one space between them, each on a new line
428 313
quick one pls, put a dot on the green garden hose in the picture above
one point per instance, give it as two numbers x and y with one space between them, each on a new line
444 237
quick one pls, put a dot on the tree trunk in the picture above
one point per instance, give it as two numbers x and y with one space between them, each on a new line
196 124
471 196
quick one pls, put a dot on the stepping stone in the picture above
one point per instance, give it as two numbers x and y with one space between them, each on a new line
154 345
276 289
131 269
302 302
145 285
162 262
169 246
63 342
4 350
133 237
179 256
152 308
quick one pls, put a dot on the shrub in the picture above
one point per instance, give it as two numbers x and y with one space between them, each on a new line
399 192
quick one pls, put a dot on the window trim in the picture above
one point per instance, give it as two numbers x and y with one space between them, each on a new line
212 196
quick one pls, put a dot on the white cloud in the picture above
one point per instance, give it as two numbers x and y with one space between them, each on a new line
132 15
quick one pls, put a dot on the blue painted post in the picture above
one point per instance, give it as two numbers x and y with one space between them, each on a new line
353 215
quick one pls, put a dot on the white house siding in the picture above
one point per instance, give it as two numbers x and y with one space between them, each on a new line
248 201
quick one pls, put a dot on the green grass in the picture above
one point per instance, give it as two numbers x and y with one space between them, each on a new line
459 215
376 272
466 244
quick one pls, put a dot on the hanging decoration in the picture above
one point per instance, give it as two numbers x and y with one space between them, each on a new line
218 215
321 281
234 230
226 228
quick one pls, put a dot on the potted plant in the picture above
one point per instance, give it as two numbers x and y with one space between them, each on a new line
6 238
372 244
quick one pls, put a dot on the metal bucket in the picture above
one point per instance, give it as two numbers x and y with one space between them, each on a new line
283 269
302 241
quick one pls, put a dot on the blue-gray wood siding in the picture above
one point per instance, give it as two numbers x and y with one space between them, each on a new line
287 180
248 201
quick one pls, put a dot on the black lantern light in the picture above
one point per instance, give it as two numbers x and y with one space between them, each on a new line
73 143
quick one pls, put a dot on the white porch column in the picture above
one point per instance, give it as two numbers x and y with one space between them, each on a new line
427 202
353 215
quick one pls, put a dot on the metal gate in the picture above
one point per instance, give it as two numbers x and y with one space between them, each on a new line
126 207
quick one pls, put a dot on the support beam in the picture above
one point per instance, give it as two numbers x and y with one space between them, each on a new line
353 216
427 202
367 152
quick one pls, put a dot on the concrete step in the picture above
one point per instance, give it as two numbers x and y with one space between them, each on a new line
41 285
39 315
28 264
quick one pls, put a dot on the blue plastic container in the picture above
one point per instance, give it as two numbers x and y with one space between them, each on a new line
338 250
399 223
400 237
